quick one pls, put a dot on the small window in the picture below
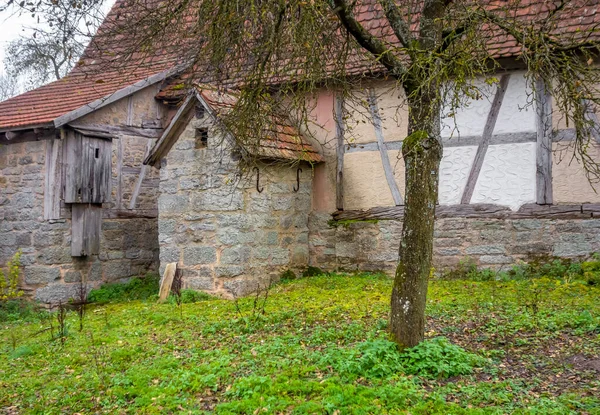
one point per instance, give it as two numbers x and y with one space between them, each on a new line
199 111
201 137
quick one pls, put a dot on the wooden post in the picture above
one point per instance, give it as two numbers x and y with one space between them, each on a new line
53 182
385 160
485 140
138 184
339 118
544 144
167 281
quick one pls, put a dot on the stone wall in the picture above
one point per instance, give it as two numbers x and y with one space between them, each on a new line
490 243
226 236
50 274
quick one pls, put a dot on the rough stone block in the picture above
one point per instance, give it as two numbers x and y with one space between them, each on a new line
199 283
572 249
172 204
72 276
195 255
496 259
115 270
235 255
55 255
169 254
526 224
229 271
485 250
55 293
40 274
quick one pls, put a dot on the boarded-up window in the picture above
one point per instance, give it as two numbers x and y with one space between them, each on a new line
88 169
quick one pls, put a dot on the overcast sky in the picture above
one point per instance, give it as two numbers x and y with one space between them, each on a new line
13 25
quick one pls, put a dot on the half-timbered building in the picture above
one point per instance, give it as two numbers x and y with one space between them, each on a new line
109 174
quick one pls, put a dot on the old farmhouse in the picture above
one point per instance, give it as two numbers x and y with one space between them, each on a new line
109 174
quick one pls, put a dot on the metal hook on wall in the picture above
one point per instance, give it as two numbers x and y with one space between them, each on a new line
297 187
258 189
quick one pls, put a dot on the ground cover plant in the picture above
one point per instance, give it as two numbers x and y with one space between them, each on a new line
515 345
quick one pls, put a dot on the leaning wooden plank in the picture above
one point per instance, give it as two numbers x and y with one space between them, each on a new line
488 130
138 184
339 125
544 144
165 142
86 222
385 160
167 281
53 184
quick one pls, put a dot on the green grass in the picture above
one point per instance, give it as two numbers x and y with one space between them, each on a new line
494 347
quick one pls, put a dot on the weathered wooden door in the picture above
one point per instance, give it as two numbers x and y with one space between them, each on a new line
88 171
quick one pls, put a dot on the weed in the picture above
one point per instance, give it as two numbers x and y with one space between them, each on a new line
9 283
139 288
287 275
312 272
61 319
438 358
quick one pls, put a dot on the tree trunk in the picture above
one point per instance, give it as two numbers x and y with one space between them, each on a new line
422 152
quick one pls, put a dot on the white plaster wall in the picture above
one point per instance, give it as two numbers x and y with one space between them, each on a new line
515 116
507 176
454 172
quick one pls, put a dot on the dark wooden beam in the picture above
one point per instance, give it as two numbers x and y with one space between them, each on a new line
485 139
480 211
544 144
339 124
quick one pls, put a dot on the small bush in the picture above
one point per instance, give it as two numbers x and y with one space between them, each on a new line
312 272
19 309
374 359
9 283
438 358
139 288
287 275
191 296
591 272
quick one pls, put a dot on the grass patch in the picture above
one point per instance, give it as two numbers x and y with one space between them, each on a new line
138 288
320 348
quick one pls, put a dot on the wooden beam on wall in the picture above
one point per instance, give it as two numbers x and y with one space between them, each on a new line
53 179
488 130
385 160
544 144
339 176
590 115
478 211
119 195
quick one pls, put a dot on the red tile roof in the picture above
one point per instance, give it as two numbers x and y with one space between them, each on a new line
87 83
282 141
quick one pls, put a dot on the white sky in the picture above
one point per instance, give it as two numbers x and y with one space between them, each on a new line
13 25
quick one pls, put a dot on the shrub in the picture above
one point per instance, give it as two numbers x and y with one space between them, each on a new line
139 288
591 272
312 272
192 296
287 275
438 358
374 359
9 283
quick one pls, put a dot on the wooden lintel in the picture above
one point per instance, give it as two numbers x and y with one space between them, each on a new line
488 130
480 211
544 144
385 160
339 128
